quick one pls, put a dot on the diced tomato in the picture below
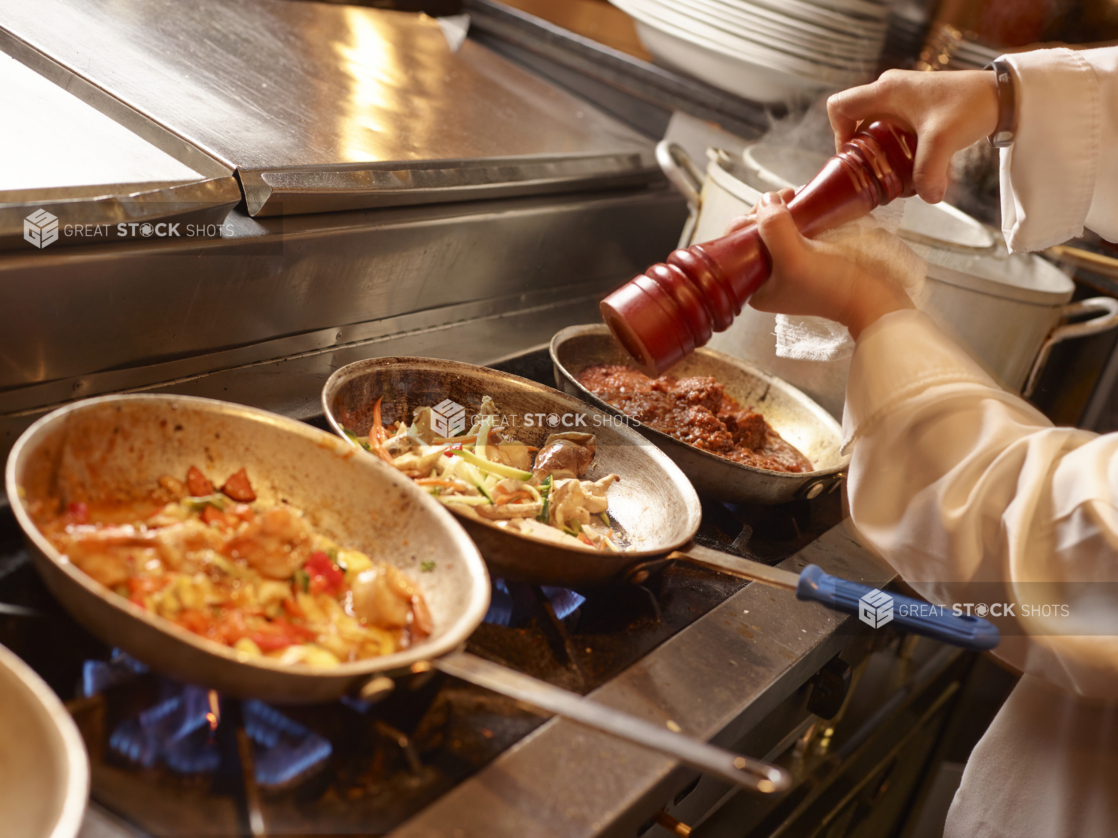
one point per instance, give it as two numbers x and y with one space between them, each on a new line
279 634
211 515
196 621
244 512
142 586
268 642
293 610
78 512
198 484
295 630
326 577
238 488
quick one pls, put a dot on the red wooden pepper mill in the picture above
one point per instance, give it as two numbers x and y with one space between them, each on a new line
663 315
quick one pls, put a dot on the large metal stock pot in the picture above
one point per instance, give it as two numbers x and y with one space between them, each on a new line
1007 309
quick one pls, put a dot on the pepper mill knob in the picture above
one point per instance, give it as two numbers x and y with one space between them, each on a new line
663 315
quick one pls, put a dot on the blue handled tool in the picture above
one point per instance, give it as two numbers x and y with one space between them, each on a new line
872 606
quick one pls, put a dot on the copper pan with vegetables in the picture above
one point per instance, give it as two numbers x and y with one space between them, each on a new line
551 489
240 550
260 557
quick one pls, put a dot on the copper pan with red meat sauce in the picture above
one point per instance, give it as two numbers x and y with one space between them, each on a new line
800 421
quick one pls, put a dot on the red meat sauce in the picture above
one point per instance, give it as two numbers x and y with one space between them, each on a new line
696 411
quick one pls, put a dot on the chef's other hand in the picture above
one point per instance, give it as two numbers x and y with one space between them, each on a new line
948 111
815 278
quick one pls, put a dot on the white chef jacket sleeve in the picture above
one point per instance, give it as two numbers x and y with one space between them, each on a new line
1061 173
974 497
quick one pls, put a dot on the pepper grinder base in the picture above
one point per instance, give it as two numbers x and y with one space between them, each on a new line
644 325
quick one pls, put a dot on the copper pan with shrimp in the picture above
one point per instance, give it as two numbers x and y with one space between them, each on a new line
250 528
123 451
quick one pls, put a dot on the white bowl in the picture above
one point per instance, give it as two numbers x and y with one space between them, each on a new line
807 11
43 762
869 9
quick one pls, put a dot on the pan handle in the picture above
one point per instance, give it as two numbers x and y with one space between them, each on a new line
870 605
740 770
681 171
685 176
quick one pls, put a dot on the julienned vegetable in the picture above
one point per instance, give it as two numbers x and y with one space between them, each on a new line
494 468
487 474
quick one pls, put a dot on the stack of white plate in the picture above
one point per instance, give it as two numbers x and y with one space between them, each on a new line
765 50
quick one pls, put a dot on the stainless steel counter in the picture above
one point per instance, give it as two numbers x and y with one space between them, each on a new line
321 107
72 312
717 681
530 197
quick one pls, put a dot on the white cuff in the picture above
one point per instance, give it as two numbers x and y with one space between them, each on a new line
1048 174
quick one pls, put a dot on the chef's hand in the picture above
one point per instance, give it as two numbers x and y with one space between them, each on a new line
742 221
815 278
948 111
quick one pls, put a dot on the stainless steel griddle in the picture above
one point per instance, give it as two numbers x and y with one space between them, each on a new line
66 158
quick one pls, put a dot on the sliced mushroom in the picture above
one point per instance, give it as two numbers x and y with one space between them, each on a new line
576 500
510 453
528 509
420 461
565 455
399 444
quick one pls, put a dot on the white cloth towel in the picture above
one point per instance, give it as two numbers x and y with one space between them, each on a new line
871 244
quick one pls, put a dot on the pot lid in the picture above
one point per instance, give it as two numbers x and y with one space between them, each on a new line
79 168
1024 277
328 107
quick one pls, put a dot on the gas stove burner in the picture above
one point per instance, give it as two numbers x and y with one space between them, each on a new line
514 603
98 676
175 732
180 730
352 767
285 751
